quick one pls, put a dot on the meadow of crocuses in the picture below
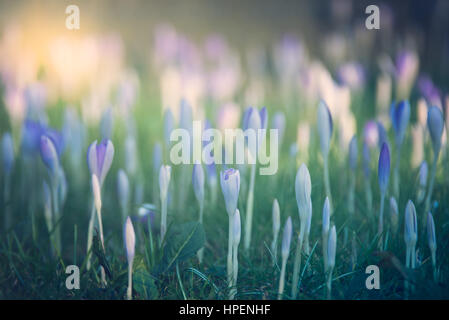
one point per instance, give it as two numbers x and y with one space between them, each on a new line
357 208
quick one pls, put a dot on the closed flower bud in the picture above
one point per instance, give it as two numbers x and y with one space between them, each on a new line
411 228
324 127
287 238
164 181
303 189
198 182
435 123
130 240
431 237
384 168
49 154
230 186
401 117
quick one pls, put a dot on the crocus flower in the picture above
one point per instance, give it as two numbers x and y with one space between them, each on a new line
130 243
422 181
400 115
435 123
99 158
7 153
255 119
49 155
303 188
384 168
123 192
410 234
383 173
331 250
286 240
276 216
164 181
230 186
432 241
400 119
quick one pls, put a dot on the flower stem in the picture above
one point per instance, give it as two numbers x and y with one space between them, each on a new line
163 219
429 193
130 281
200 253
327 184
381 221
249 208
90 233
282 278
297 265
230 240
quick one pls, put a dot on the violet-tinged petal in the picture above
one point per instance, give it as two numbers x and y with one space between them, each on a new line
435 123
230 186
383 170
48 154
401 117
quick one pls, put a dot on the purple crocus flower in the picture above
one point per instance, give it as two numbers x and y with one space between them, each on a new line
279 124
383 170
99 158
31 133
400 118
169 125
435 123
255 119
230 186
49 154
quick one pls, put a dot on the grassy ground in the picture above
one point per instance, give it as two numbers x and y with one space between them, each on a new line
28 270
